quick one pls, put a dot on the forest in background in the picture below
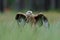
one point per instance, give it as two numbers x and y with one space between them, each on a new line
34 5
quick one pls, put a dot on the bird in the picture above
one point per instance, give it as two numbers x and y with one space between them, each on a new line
33 19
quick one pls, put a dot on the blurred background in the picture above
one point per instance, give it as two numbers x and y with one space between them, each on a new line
9 29
34 5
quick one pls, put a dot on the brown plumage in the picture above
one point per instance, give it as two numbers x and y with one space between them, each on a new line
34 19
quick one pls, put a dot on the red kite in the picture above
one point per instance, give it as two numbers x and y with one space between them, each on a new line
34 19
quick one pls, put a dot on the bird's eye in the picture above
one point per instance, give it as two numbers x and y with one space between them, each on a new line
29 12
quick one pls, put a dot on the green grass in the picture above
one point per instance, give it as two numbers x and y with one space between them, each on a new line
9 29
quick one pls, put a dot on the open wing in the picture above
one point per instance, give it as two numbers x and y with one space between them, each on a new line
21 19
41 20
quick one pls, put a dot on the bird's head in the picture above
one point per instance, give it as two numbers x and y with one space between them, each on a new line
28 13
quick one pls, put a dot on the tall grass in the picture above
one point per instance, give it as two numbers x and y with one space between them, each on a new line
9 29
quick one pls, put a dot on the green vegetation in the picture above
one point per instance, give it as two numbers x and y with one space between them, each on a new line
9 29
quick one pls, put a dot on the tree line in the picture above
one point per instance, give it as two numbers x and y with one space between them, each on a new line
34 5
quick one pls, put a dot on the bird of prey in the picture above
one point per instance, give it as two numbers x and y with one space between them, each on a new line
34 19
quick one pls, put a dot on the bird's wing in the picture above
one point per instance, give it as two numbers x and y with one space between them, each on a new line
41 20
21 19
20 15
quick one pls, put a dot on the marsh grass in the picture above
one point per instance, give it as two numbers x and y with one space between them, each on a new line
9 29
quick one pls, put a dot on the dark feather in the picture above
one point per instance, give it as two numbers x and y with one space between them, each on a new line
41 20
21 19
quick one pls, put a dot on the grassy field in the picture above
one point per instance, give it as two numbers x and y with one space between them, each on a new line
9 29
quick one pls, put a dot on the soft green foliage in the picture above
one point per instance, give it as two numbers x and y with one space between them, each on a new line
9 29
